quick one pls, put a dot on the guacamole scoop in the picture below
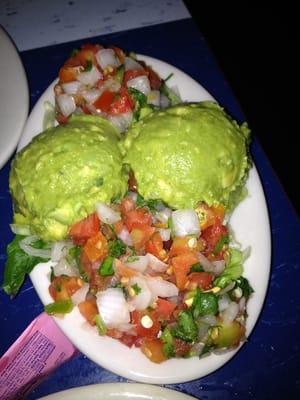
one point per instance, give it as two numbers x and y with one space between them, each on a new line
59 177
189 153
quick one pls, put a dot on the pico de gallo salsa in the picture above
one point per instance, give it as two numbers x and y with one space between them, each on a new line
169 282
108 82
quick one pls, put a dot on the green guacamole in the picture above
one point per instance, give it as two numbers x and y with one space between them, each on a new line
59 177
189 153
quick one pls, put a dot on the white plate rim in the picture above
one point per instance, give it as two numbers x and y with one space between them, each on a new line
14 103
133 364
118 391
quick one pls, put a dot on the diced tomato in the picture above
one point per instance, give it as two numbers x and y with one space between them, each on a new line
118 226
185 244
136 319
163 310
63 287
134 73
61 119
96 247
128 340
141 235
81 231
201 280
155 246
67 74
122 103
213 234
155 81
88 309
137 218
104 102
181 267
208 215
153 349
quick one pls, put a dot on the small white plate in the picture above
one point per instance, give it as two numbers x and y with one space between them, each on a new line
118 391
14 99
250 224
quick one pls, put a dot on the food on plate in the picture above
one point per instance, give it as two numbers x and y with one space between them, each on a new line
107 82
189 153
58 178
159 279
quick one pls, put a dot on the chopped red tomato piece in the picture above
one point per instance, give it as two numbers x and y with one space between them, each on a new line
185 244
62 287
134 73
153 349
137 320
181 267
68 74
137 218
155 246
201 280
213 234
163 310
141 235
81 231
96 247
88 309
122 103
127 204
104 102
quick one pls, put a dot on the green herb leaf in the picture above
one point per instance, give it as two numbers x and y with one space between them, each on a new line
186 328
168 346
221 242
136 288
120 73
244 284
106 268
116 248
59 307
132 258
196 268
100 325
74 52
204 304
18 264
152 204
89 66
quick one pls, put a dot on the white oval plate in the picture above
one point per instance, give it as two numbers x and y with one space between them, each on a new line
14 99
251 226
118 391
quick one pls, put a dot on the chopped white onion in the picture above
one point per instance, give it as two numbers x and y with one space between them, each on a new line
160 287
106 58
209 319
91 95
140 264
113 307
66 104
227 288
223 302
230 313
242 304
185 222
90 77
111 84
207 265
125 236
165 234
64 268
197 348
121 121
106 214
153 98
59 249
133 195
25 245
71 87
164 101
219 266
80 294
140 83
145 297
155 264
163 215
130 63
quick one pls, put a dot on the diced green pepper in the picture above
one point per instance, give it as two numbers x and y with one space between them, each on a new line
59 307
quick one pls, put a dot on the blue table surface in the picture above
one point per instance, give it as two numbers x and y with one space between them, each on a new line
267 366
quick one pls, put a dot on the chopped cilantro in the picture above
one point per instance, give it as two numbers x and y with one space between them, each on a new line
136 288
116 248
186 328
221 242
89 66
196 268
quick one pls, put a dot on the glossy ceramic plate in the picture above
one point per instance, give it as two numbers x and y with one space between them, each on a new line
14 99
251 226
118 391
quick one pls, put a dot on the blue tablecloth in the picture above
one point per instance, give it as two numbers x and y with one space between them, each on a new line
268 365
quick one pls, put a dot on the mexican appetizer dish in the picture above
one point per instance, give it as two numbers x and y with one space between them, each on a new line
135 219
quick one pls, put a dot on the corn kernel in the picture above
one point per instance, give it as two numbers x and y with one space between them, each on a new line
214 333
189 301
124 280
169 271
131 292
192 243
